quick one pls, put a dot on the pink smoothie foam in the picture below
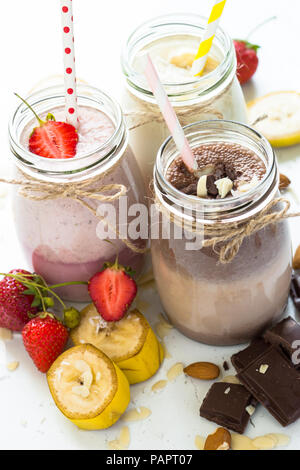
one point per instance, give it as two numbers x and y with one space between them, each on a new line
59 236
94 128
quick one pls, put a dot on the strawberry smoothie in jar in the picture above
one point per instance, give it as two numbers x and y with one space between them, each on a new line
59 233
172 42
218 288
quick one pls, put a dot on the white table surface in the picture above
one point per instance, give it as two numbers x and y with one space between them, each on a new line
30 38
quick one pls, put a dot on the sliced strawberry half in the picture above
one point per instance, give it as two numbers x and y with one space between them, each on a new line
112 291
52 139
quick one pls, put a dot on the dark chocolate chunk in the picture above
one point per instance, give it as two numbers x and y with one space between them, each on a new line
275 383
284 334
241 359
212 189
230 171
225 366
191 189
295 290
179 176
225 404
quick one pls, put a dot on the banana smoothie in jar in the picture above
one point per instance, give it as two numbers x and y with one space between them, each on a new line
229 284
63 236
172 42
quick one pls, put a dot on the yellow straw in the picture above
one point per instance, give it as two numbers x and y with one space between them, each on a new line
208 37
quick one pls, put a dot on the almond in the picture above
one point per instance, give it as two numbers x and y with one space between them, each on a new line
201 186
220 440
284 181
296 259
231 379
136 414
264 442
224 186
175 371
202 370
159 385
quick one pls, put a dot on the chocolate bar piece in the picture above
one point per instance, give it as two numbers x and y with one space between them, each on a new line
295 290
241 359
285 334
275 383
229 405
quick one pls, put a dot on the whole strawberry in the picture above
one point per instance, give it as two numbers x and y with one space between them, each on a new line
15 306
247 60
44 338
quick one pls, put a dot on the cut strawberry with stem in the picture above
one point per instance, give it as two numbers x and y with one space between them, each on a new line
52 139
112 291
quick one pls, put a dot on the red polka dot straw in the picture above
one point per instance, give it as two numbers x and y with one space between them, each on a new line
69 62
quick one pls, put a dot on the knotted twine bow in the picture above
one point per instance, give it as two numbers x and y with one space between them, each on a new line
226 238
38 190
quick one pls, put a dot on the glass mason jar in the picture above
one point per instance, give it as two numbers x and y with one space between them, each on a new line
60 237
211 302
217 95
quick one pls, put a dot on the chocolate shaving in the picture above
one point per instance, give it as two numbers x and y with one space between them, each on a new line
191 189
212 189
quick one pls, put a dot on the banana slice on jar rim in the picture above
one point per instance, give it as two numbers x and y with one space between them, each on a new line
277 116
88 388
130 342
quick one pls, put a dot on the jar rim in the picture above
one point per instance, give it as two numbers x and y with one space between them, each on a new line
152 27
86 160
228 208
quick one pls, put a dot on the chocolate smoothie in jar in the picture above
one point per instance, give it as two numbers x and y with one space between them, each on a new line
172 42
64 240
216 287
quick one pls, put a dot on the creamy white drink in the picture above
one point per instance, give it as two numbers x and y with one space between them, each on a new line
172 42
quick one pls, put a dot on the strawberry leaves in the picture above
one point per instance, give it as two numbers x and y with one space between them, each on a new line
42 296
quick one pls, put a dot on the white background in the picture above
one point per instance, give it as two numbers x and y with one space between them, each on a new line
30 38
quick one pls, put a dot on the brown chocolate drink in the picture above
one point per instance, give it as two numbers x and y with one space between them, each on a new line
217 303
218 160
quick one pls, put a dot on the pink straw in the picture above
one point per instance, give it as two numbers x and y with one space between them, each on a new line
169 114
69 62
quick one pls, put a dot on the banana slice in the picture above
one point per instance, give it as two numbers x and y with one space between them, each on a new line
185 61
281 125
88 388
130 342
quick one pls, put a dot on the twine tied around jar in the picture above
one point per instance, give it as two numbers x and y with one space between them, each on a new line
151 113
38 190
148 112
226 238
